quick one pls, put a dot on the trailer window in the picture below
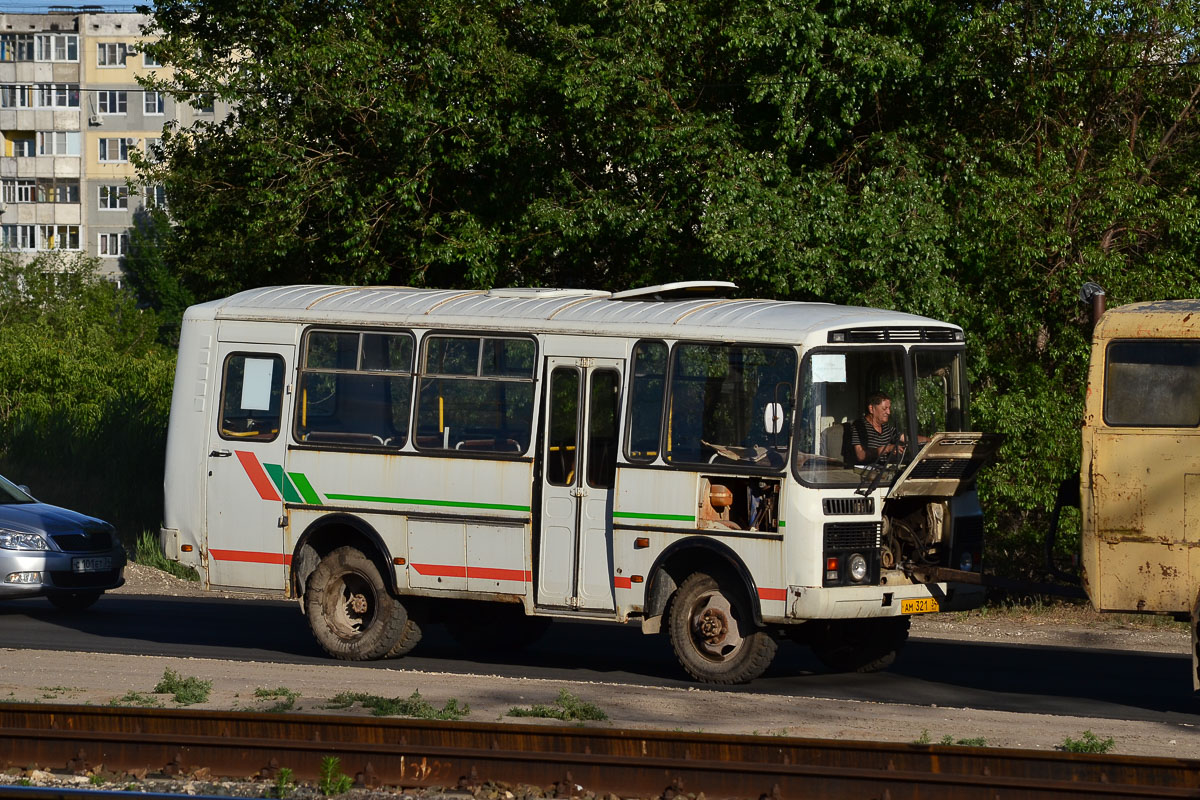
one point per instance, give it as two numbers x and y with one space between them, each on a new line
1150 383
251 396
476 394
355 389
721 399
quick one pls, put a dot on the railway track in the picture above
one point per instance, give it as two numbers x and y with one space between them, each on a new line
568 760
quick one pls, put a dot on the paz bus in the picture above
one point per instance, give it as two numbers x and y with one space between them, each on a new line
494 460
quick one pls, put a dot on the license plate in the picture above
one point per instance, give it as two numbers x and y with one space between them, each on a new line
918 605
98 564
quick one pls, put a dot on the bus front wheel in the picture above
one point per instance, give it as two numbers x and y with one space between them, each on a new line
714 635
352 613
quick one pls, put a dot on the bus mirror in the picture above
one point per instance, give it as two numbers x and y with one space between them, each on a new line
773 417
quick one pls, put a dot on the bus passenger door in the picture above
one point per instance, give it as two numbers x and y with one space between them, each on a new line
579 456
247 486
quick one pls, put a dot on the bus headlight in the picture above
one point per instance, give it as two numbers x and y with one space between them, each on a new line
858 567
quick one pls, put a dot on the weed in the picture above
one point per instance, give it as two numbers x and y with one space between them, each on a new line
148 553
414 706
949 740
24 782
333 780
924 738
135 699
96 779
1088 742
566 707
283 784
185 690
285 698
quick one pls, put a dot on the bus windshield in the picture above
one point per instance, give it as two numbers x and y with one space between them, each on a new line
837 388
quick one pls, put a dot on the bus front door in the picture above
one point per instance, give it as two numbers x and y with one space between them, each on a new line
579 457
247 485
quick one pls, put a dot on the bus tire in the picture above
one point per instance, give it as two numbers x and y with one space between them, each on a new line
713 633
858 645
350 609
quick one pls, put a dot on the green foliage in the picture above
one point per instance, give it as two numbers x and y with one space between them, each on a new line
1088 742
284 784
147 552
186 691
84 390
971 163
132 698
567 707
412 706
285 699
332 780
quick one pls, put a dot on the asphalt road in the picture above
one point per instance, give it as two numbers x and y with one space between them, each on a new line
1106 684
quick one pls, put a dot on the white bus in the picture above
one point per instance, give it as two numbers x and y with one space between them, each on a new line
491 460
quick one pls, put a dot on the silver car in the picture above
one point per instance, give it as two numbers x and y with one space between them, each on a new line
47 551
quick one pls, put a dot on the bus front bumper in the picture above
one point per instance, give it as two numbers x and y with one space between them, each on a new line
855 602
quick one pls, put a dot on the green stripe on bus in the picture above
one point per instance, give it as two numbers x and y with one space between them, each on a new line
639 515
281 482
416 502
310 494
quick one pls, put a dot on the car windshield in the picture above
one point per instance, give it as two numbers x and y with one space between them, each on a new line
11 493
854 405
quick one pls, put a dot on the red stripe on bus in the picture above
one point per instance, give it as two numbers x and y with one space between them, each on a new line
622 583
488 573
251 557
258 477
772 594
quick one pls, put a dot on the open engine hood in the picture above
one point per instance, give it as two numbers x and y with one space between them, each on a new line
946 465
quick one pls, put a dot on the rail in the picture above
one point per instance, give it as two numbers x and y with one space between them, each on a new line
385 752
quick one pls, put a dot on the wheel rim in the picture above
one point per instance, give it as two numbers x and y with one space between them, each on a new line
350 605
714 627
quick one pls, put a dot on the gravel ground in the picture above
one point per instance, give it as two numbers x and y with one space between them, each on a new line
40 676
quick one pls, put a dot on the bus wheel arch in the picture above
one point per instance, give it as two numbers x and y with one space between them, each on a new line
329 533
687 556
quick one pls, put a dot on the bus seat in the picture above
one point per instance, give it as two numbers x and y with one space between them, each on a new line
831 440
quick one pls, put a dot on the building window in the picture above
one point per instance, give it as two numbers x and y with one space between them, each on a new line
18 191
57 47
58 95
153 102
58 143
111 54
150 60
16 47
50 191
18 237
21 144
203 104
156 196
153 149
58 237
114 244
114 151
112 102
113 198
16 97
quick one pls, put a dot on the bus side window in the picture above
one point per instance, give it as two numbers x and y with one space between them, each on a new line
251 397
647 387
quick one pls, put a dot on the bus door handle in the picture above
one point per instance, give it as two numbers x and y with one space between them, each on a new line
220 454
579 492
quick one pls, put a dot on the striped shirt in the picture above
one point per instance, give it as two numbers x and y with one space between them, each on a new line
863 433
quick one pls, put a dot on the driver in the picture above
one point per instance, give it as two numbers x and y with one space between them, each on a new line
871 435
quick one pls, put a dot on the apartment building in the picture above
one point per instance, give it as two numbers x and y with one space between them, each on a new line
71 112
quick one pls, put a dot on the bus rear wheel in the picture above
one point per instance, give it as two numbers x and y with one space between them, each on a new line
858 645
352 612
713 633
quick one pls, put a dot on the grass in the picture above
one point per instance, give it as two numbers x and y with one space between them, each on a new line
285 698
135 699
413 706
1087 742
333 780
283 784
186 691
147 553
567 707
950 741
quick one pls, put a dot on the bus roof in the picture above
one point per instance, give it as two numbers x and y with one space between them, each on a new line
570 311
1152 319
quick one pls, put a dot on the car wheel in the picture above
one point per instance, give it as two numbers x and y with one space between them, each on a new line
352 611
713 633
73 601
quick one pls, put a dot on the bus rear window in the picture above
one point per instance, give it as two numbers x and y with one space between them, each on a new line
1152 383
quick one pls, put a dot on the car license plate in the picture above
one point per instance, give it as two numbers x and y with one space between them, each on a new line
98 564
918 605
